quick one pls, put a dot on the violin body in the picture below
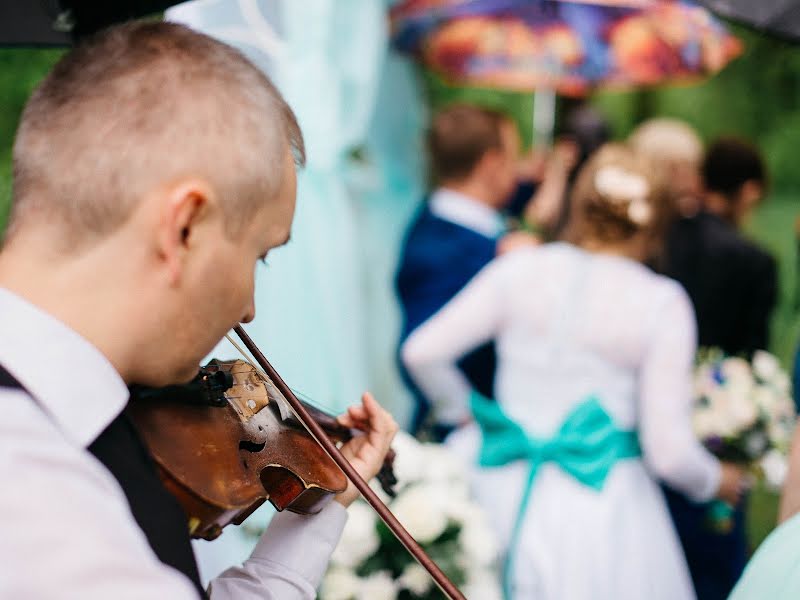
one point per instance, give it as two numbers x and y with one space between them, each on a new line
223 461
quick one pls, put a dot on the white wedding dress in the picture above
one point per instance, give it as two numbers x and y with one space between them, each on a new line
569 325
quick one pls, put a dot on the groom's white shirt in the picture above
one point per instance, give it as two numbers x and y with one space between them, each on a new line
468 212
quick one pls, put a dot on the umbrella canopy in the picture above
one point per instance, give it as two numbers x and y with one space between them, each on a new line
60 22
567 46
781 17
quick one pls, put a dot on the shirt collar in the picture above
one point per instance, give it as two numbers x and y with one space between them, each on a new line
71 379
462 210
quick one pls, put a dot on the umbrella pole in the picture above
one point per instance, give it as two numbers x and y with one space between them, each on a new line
544 117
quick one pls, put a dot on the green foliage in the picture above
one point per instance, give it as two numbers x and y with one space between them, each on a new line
393 557
756 97
20 71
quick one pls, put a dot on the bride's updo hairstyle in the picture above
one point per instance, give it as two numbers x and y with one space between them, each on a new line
616 198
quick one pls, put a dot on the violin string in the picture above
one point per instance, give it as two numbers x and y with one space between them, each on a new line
248 359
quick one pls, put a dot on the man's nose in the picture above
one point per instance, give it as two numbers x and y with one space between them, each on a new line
249 313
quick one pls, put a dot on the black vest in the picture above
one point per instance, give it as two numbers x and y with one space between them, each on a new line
156 511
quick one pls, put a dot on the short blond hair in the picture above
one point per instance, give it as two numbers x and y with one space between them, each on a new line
140 105
669 141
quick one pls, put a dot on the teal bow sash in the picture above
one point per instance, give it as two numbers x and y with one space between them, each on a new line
587 446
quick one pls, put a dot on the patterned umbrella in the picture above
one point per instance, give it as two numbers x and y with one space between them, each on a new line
567 46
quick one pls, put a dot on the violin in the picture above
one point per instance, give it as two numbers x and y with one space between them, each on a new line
237 436
228 441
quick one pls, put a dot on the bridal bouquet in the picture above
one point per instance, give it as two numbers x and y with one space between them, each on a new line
432 502
744 412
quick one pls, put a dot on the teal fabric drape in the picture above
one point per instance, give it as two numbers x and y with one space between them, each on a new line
587 446
326 315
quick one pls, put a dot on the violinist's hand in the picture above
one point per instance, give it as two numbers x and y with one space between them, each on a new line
366 452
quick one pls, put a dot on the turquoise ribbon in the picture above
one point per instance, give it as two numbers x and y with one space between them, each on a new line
587 446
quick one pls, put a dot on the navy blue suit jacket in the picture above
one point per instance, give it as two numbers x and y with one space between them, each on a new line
438 259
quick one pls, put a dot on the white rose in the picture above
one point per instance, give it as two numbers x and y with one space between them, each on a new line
704 424
462 510
765 398
482 584
765 365
783 383
743 411
720 419
780 434
409 461
339 584
737 372
415 579
477 543
422 510
378 586
442 465
775 467
359 538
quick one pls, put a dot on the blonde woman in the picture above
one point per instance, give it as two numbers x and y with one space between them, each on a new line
593 398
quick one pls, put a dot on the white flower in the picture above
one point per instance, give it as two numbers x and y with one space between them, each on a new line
620 185
736 372
442 465
765 365
477 543
775 467
780 434
755 444
640 212
704 382
378 586
720 419
339 584
409 462
422 510
482 584
415 579
766 399
462 510
782 383
704 424
359 538
743 410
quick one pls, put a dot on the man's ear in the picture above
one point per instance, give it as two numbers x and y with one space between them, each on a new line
488 163
184 208
752 191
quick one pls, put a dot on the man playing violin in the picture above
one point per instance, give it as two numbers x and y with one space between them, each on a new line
153 168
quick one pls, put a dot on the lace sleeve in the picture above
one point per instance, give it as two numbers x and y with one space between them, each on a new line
670 447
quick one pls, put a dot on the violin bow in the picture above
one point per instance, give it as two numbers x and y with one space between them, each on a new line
447 586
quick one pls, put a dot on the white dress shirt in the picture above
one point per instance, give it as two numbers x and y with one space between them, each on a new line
462 210
66 530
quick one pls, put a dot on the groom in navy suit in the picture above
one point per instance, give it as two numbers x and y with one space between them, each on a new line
473 154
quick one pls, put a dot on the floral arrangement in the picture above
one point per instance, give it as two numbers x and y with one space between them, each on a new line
744 411
432 502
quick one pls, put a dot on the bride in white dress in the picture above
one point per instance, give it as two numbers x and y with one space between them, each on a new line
581 329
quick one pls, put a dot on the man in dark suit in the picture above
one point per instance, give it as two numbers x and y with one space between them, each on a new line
731 281
473 154
733 286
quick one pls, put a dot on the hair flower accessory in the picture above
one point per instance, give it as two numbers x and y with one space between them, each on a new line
619 187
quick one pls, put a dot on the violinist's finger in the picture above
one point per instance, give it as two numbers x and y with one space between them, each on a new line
382 426
354 418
